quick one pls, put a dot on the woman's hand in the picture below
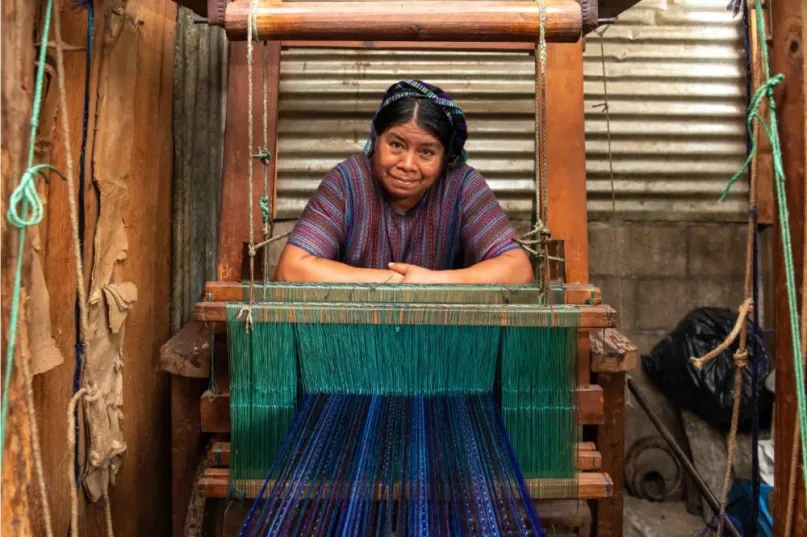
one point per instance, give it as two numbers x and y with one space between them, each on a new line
416 274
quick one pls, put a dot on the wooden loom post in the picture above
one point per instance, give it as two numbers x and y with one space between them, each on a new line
787 24
568 222
234 225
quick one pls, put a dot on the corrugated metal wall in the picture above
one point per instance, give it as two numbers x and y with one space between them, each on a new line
675 73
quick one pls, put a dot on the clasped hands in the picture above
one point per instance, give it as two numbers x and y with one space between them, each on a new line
406 273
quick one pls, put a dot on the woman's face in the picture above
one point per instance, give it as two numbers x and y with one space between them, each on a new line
407 161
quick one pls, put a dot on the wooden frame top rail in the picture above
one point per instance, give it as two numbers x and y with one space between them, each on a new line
452 20
575 294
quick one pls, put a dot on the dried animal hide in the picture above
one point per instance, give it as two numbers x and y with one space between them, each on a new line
110 301
45 355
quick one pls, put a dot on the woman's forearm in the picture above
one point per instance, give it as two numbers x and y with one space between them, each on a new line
511 268
297 265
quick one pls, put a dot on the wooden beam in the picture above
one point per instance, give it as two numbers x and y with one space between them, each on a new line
787 20
486 46
588 458
566 158
449 20
577 294
234 224
590 486
612 352
215 411
590 317
611 442
188 352
186 446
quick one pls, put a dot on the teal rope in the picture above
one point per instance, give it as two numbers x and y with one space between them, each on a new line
772 132
29 214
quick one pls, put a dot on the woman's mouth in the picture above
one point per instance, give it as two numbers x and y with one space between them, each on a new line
401 182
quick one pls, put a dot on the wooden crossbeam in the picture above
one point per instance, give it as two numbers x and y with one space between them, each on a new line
215 410
215 483
590 317
612 352
572 294
588 458
451 20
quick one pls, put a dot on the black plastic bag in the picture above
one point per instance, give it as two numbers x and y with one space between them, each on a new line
709 393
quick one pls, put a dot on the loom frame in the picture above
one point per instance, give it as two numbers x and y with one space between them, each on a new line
188 355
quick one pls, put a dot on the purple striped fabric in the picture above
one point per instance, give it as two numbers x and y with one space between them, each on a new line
458 223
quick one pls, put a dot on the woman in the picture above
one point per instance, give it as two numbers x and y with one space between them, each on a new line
407 210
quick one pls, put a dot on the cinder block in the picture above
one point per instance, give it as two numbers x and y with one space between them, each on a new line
653 250
645 340
663 302
717 249
626 308
601 256
721 293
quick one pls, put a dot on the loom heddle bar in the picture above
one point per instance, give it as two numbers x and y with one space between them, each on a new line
590 317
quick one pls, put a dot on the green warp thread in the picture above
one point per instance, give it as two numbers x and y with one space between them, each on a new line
534 366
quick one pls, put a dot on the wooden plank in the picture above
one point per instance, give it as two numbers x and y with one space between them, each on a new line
762 166
20 508
215 411
566 159
188 352
787 21
577 294
588 458
234 224
611 442
186 446
612 352
590 486
590 317
449 20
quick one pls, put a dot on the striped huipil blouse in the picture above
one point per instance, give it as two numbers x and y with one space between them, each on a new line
456 224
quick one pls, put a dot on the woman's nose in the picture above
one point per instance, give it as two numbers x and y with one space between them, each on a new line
407 161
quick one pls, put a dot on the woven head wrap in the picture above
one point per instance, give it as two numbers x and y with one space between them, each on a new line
420 90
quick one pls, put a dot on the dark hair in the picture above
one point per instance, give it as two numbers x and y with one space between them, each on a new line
428 115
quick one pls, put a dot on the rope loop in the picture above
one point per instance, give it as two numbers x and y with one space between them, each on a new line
25 198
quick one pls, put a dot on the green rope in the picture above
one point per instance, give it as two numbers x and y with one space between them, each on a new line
29 214
772 132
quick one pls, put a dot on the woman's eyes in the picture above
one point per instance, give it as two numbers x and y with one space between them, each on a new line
396 145
425 153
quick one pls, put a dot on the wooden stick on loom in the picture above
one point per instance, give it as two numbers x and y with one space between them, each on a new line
407 21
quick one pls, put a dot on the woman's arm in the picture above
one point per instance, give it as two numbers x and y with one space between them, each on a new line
510 268
297 265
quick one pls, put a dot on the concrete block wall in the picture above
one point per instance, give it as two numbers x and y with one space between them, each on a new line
663 270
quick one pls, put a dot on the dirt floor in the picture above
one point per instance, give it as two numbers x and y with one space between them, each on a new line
650 519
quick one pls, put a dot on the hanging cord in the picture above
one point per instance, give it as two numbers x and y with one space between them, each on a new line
771 130
615 224
536 240
82 346
252 30
265 157
85 117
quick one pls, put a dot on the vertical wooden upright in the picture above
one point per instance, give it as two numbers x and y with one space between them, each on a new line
787 24
234 225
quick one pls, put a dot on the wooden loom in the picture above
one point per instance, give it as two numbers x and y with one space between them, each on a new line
603 358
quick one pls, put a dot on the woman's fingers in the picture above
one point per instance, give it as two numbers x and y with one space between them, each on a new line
401 268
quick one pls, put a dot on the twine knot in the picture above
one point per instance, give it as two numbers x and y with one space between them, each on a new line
25 198
741 358
534 239
264 156
264 203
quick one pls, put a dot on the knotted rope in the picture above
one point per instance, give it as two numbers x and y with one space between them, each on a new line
765 91
265 157
535 241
